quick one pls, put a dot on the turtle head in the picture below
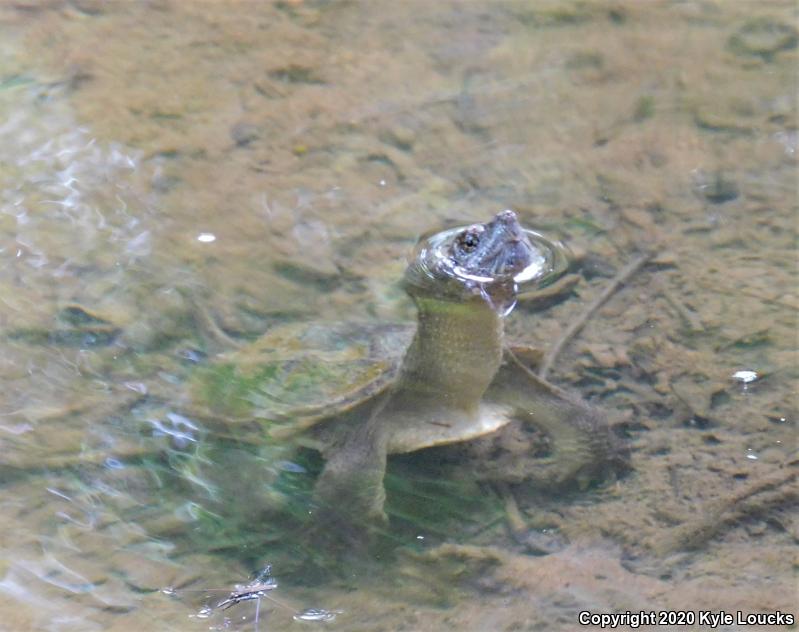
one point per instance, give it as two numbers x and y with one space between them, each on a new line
487 261
493 251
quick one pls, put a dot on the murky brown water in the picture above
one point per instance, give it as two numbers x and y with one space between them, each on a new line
276 162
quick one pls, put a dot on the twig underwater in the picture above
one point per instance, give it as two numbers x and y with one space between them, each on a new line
256 589
755 500
624 275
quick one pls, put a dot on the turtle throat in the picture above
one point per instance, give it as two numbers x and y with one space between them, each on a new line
455 353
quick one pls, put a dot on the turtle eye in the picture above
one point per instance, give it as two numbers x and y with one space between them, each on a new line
468 240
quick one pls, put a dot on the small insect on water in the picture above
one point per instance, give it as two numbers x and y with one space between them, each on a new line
256 589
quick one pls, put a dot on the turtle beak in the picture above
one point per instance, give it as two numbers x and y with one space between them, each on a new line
513 247
515 259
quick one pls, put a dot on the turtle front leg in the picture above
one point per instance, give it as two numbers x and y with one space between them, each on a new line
349 492
583 446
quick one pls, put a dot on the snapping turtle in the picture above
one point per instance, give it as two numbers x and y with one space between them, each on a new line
358 392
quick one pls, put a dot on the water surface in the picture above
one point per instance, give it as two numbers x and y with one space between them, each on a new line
275 162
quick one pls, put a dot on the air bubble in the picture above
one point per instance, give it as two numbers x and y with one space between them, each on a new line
745 376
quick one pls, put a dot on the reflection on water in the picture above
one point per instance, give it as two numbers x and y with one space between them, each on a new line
179 178
66 200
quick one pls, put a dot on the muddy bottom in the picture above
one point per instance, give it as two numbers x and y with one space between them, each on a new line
175 176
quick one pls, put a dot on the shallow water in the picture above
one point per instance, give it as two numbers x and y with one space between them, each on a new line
269 163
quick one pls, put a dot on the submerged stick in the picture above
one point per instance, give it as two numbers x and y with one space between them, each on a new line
516 522
210 328
619 280
757 498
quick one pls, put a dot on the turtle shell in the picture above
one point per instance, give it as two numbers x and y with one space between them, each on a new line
300 373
